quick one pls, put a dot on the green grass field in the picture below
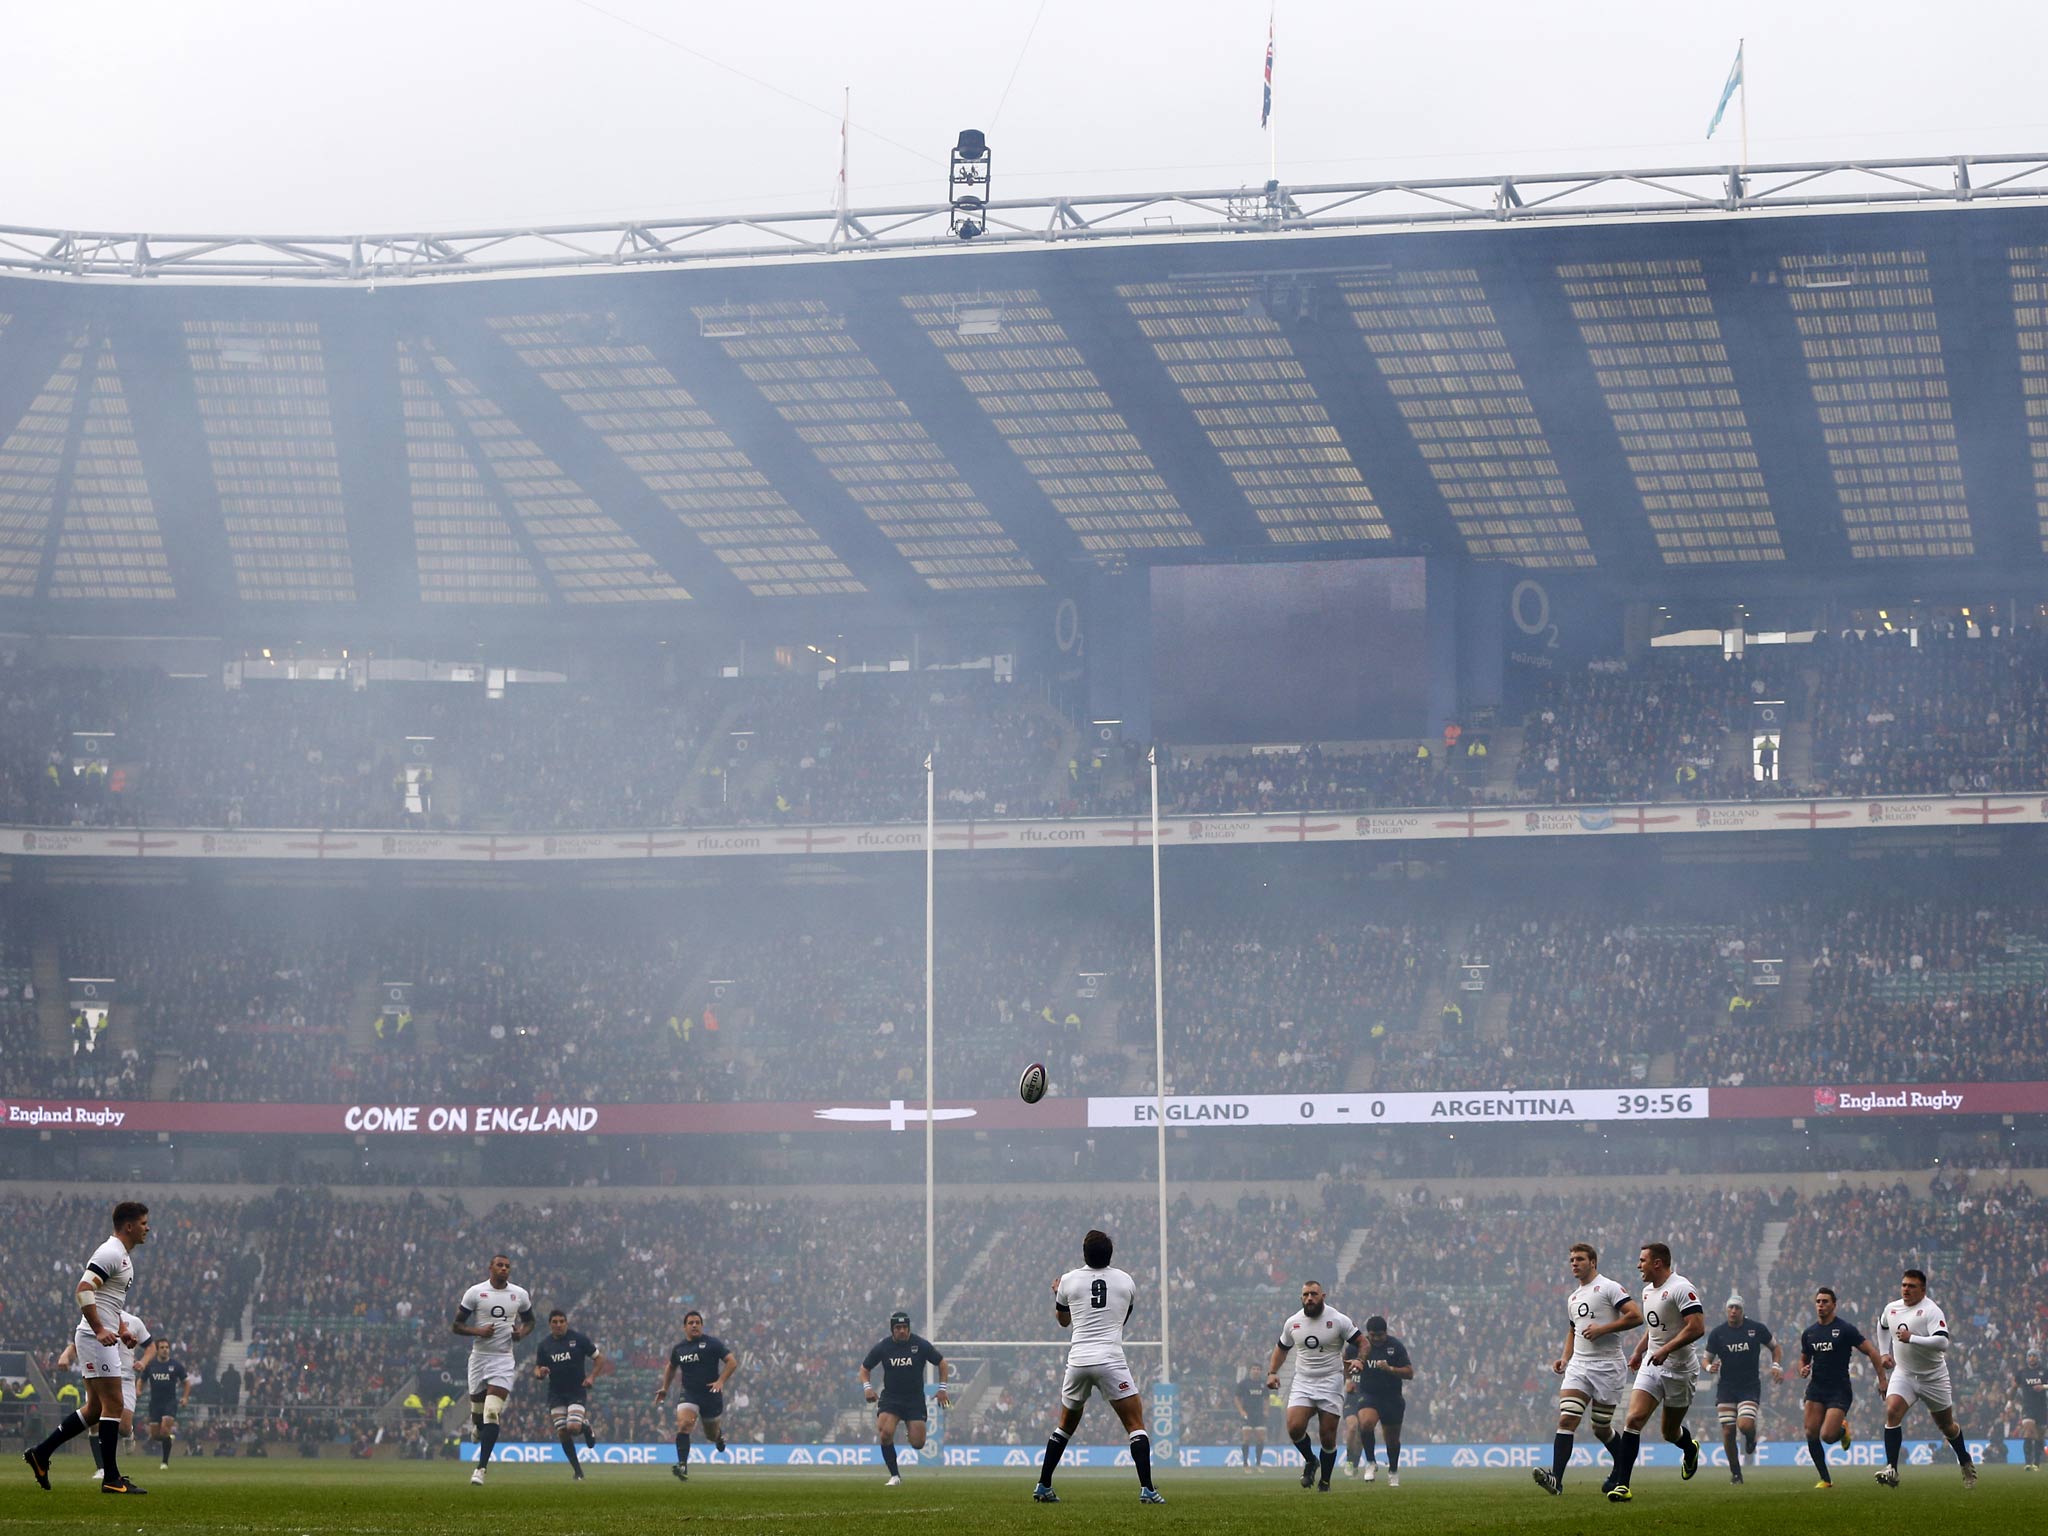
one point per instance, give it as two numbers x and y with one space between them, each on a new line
333 1498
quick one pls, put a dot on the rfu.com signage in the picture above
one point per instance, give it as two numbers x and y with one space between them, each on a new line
470 1119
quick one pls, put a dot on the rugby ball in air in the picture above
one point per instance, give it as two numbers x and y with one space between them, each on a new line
1031 1086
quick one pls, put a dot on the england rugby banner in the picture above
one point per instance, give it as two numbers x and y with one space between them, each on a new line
1310 1111
51 1115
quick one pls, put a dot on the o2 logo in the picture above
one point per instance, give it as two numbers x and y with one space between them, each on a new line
1529 607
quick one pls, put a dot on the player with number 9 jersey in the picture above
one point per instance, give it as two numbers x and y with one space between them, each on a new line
1101 1302
1094 1303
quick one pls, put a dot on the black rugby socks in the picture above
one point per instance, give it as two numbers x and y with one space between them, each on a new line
1627 1446
69 1427
1141 1457
1055 1447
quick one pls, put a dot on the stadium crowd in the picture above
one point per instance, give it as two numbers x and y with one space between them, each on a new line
1888 715
1312 984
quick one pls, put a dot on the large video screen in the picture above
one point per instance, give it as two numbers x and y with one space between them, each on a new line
1323 650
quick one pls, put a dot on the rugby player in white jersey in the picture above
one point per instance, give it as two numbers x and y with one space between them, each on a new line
1666 1362
1915 1334
1315 1336
1094 1302
1594 1365
493 1316
102 1295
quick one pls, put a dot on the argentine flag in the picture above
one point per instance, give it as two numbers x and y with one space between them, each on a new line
1727 91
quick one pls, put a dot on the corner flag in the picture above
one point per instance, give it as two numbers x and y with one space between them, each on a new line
1727 91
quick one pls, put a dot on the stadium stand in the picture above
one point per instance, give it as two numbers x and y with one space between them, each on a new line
1949 714
764 998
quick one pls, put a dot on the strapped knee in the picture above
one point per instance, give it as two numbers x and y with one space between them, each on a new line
1603 1416
1726 1411
1572 1408
493 1406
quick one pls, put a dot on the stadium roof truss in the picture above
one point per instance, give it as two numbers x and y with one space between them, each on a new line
1565 195
1656 379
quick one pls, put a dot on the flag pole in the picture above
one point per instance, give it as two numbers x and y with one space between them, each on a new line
1272 129
1742 52
845 133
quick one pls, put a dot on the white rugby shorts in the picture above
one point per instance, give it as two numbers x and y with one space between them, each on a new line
490 1371
1112 1378
127 1394
1932 1389
96 1359
1669 1384
1598 1379
1324 1396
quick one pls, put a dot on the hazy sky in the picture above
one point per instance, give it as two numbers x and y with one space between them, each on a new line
340 116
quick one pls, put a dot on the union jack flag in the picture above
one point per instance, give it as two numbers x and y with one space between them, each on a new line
1266 110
